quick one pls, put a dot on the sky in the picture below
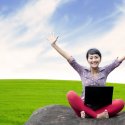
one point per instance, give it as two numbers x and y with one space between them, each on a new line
25 25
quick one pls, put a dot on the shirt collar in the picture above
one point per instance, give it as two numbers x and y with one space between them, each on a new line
100 69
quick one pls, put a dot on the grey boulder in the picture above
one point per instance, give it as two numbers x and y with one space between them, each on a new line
63 115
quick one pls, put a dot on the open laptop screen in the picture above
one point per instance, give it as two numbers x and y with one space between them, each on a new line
98 96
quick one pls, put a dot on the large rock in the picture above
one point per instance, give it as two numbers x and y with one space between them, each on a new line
62 115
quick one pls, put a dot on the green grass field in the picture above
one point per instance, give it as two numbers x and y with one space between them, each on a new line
19 98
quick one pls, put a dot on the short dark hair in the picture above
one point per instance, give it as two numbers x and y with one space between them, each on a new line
93 51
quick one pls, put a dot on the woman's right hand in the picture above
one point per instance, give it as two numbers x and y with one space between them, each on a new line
52 39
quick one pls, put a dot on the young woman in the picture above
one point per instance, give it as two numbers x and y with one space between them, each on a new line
96 76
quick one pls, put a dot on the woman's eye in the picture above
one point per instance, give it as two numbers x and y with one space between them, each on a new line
96 57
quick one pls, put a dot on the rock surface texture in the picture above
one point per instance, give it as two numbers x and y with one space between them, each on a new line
62 115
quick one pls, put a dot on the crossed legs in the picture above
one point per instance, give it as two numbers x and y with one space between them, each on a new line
79 107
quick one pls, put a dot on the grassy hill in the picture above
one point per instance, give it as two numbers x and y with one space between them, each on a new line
19 98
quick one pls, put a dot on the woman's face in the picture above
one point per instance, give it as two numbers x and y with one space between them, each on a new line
94 60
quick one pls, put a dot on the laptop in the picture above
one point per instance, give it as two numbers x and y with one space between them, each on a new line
98 96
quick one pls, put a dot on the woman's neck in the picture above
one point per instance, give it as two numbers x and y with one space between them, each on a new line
94 71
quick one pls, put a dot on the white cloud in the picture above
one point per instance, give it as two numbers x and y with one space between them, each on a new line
19 31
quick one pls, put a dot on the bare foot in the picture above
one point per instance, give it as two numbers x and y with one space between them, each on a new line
103 114
82 114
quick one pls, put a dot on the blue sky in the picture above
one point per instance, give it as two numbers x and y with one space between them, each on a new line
10 6
80 24
74 14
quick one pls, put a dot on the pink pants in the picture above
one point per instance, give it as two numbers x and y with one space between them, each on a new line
78 105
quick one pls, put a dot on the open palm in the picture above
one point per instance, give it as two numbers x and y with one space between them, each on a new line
52 38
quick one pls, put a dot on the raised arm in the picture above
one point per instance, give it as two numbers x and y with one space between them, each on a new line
53 39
